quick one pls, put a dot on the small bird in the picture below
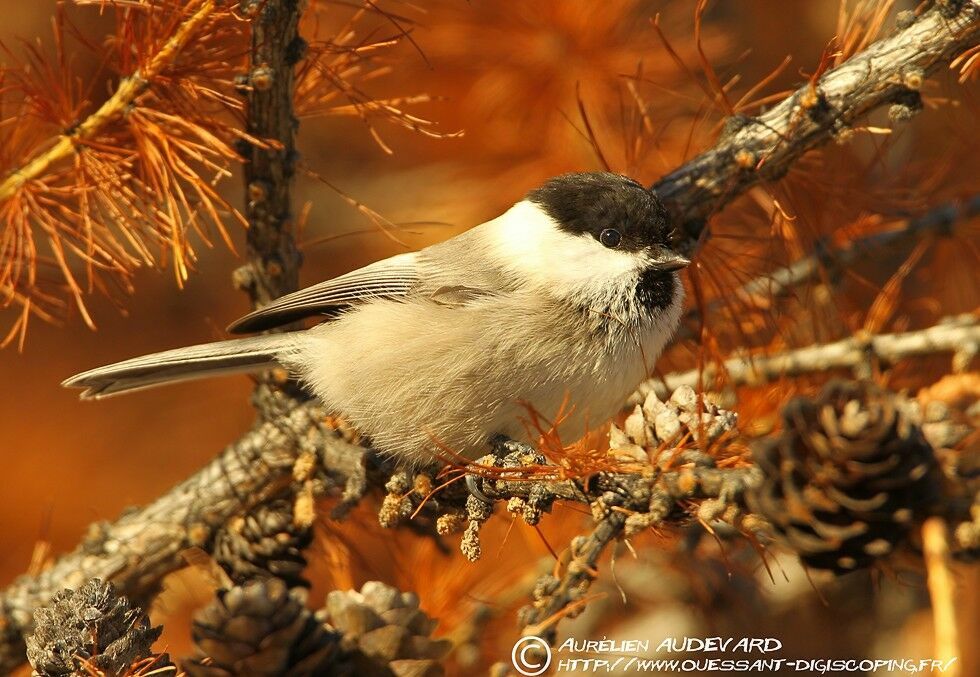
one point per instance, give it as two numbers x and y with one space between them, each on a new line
561 304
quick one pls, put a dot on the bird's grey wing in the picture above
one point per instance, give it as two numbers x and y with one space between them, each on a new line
457 271
390 278
462 270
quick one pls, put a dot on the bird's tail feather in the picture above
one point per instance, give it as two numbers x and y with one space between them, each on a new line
242 355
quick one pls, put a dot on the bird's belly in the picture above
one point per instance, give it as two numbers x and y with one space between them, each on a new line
421 389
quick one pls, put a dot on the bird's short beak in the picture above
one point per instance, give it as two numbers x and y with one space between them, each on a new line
668 260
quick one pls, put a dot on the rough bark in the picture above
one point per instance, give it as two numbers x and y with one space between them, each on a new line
759 149
619 500
136 551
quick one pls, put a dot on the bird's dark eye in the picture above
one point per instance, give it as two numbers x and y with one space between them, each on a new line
610 237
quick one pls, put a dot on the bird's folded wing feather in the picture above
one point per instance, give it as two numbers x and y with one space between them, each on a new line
458 271
390 278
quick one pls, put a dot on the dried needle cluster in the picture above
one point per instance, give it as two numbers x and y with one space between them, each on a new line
91 191
109 188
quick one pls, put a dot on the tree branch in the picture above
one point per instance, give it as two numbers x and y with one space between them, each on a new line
626 504
783 281
136 551
753 150
274 260
959 335
129 89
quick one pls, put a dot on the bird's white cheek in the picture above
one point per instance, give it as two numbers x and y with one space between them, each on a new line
591 271
535 247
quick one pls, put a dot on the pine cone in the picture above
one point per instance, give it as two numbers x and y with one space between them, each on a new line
656 424
967 533
260 628
847 476
264 543
93 630
385 633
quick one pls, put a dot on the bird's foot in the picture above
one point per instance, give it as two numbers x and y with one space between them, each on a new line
501 446
473 486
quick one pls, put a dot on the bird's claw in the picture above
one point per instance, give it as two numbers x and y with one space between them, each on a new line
500 446
473 485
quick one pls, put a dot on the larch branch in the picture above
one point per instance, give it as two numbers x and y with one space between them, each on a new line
783 281
115 106
136 551
274 260
621 499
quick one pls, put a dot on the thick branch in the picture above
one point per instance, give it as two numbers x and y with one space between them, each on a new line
140 548
273 268
763 148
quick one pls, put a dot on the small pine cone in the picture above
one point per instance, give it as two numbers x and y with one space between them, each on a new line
93 630
657 423
846 477
260 629
265 543
384 632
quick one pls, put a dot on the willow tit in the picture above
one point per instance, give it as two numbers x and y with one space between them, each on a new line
563 303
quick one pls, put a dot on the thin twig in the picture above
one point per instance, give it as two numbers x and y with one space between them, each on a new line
783 281
960 336
942 591
578 576
621 498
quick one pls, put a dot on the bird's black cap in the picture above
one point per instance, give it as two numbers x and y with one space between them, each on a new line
590 202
